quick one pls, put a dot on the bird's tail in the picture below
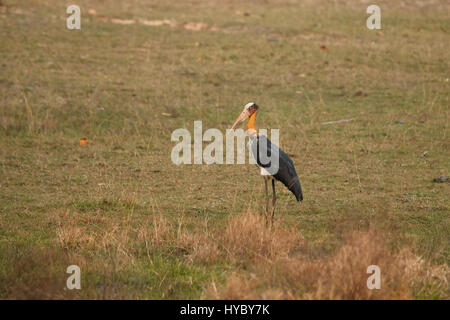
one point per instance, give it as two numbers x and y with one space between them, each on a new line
296 189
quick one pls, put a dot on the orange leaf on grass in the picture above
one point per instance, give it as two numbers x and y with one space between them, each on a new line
84 141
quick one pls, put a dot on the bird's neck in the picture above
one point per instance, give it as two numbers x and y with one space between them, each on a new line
251 125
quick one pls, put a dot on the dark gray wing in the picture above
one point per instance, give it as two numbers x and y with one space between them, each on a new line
277 163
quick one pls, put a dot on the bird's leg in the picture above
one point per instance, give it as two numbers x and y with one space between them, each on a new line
274 200
267 198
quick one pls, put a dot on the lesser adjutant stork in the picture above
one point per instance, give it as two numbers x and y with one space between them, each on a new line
260 145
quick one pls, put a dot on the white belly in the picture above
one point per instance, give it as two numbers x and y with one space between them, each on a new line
264 172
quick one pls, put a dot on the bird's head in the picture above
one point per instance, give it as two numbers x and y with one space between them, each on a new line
249 109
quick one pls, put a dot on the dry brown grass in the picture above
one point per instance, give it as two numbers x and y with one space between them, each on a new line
72 235
80 233
277 268
247 237
271 262
32 274
275 262
267 262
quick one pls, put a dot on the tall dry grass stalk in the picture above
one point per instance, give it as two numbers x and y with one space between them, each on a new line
247 237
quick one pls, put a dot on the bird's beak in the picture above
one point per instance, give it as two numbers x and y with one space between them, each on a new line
241 118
